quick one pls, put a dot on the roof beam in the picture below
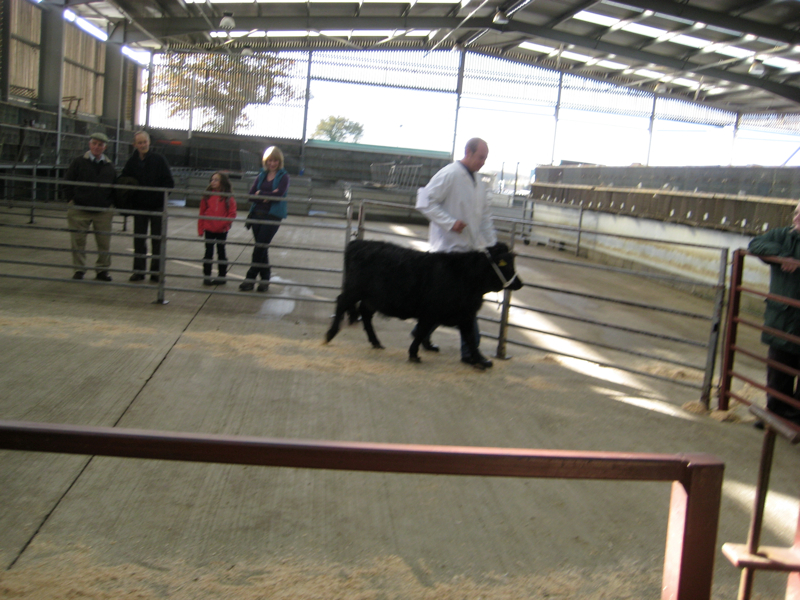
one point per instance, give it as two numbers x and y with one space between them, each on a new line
172 27
711 17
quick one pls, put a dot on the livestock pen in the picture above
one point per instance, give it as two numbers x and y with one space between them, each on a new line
214 362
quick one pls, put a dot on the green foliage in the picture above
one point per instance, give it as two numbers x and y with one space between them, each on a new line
338 129
219 87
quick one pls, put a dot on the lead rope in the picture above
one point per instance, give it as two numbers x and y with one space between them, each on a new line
506 282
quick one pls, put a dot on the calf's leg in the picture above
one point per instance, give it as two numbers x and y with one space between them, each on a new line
343 305
366 319
421 334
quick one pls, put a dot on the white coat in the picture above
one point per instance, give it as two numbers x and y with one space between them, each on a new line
455 194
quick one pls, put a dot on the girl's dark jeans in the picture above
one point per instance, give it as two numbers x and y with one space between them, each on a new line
213 238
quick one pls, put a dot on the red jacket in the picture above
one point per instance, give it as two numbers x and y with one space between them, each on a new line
215 206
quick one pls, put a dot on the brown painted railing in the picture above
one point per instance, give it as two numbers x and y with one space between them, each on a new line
694 504
733 320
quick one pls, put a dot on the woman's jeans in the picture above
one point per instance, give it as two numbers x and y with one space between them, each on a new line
213 238
263 234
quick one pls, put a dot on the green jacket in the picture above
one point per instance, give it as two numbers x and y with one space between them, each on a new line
784 242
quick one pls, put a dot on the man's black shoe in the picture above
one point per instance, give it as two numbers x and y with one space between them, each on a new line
479 362
136 277
247 286
155 278
78 275
262 287
103 276
208 281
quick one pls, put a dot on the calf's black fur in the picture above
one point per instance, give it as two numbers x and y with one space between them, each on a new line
436 288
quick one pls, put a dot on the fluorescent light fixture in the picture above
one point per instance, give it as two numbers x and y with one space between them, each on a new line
591 17
734 51
140 56
649 73
686 82
575 56
689 40
279 34
85 25
237 34
536 47
780 63
644 30
337 32
610 64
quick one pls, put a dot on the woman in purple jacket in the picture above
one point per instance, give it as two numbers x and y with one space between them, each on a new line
266 215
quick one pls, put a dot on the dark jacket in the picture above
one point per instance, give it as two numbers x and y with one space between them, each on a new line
153 171
277 188
783 242
84 168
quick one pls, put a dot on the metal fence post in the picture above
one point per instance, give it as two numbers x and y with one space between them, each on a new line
163 254
580 229
731 325
502 335
33 194
362 215
713 338
692 531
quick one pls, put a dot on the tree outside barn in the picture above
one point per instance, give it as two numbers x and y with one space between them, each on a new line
215 90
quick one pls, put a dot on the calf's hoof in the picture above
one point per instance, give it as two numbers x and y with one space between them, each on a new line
428 345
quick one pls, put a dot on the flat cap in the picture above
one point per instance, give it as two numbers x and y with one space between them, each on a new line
99 136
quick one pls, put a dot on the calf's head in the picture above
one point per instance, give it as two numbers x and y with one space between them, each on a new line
503 264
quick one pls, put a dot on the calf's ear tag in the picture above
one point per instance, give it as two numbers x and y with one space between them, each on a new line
502 263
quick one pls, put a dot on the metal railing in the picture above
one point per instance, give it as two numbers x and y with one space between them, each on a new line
731 347
392 175
693 514
31 215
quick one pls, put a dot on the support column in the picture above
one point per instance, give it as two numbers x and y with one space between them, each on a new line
305 117
5 51
650 128
557 112
459 89
51 68
112 85
51 60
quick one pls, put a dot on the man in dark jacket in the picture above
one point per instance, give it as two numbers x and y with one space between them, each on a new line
91 206
150 170
784 281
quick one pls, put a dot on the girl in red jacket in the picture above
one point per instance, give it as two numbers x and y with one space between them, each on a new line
216 232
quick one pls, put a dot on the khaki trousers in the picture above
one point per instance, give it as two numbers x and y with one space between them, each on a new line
79 222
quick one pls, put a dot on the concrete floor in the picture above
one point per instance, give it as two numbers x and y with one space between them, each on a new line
249 364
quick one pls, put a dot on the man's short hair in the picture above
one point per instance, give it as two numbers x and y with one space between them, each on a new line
472 145
99 136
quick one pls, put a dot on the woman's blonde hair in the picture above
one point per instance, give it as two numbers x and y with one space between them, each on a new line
272 152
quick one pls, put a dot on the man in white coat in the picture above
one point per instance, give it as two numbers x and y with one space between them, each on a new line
456 202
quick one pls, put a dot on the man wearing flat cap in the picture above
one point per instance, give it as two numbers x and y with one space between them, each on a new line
91 206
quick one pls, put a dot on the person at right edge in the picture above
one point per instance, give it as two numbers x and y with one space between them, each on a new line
784 281
271 184
149 170
456 202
